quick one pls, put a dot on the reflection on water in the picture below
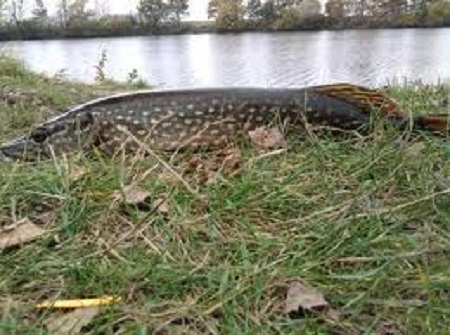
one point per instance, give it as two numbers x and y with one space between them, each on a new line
254 59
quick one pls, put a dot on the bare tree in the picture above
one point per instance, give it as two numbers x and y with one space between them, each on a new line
212 9
71 12
78 10
101 8
40 11
16 11
3 6
178 8
63 12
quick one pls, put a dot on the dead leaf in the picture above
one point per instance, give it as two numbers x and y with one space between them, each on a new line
389 328
72 322
415 149
4 220
44 218
231 160
163 205
22 232
168 178
76 173
185 326
228 162
135 195
267 138
208 168
302 297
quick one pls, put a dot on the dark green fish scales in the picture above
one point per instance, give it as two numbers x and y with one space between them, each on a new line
169 120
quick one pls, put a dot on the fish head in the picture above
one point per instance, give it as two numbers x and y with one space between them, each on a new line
65 134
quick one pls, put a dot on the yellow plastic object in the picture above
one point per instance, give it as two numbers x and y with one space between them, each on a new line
79 303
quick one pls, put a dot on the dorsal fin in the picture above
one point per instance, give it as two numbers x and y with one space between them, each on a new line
365 98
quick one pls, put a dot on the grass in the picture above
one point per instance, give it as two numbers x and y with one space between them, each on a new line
367 222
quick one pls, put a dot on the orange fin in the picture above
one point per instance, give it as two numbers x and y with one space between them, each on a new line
369 99
433 122
365 98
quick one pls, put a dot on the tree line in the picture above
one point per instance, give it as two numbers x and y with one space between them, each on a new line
309 14
86 18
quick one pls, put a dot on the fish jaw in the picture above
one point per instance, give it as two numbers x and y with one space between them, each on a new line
24 149
21 149
64 134
4 158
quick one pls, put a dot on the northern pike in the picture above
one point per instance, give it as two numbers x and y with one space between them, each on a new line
172 119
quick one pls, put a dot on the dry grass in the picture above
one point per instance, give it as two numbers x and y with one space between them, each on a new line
367 222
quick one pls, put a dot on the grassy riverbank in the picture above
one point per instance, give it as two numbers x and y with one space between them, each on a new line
366 222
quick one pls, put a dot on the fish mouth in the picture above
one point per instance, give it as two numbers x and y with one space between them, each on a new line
14 149
3 158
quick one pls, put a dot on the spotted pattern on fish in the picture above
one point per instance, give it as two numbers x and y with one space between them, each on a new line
169 119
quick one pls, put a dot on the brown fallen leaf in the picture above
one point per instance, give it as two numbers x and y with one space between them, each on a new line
162 205
44 218
135 195
303 298
20 233
267 138
72 322
415 149
389 328
231 160
168 178
4 220
185 326
227 163
76 172
208 168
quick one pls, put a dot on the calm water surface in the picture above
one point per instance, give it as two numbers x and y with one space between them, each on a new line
369 57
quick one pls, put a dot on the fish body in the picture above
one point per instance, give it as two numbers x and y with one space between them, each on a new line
172 119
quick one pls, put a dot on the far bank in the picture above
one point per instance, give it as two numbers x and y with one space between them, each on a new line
98 30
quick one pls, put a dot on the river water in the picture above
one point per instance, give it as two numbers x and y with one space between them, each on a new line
369 57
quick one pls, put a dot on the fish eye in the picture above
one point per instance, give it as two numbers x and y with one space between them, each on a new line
39 135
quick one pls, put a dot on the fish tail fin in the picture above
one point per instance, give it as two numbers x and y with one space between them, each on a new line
365 98
369 100
373 100
433 122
